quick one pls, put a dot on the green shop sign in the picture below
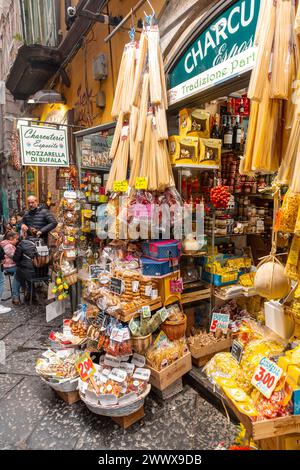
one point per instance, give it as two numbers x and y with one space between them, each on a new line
223 50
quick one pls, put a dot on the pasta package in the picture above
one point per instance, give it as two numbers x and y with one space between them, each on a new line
185 122
210 151
184 150
288 213
200 123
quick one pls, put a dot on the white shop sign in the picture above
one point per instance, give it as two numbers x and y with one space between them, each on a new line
44 146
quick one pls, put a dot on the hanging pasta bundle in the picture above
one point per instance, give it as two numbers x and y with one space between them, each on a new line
121 173
116 137
154 68
146 148
128 80
162 78
264 41
133 123
282 49
287 164
142 57
297 20
161 123
143 108
116 106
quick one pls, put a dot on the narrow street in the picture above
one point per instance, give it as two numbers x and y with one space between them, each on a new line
33 417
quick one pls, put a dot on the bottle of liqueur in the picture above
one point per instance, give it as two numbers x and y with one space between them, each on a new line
228 135
215 132
238 134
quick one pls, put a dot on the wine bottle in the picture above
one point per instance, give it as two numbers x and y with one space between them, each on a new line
215 132
228 135
238 135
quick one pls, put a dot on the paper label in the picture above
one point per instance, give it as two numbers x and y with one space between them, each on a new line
111 361
148 291
128 367
117 335
146 311
138 360
124 132
154 294
142 374
63 353
108 399
70 195
85 366
220 321
95 270
126 334
266 376
119 375
120 186
141 183
103 378
124 358
163 313
135 286
116 286
106 372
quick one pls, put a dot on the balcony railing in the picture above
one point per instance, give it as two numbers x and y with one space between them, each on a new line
39 21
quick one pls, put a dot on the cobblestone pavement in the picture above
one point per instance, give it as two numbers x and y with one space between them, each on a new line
33 417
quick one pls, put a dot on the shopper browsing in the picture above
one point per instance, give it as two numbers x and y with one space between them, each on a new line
25 253
2 282
9 246
39 218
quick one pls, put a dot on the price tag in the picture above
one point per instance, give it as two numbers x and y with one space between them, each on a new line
119 375
141 183
124 358
237 350
103 378
85 366
117 335
126 334
148 291
146 311
142 374
266 376
116 286
128 398
128 367
120 186
70 195
108 399
111 361
220 320
138 360
94 270
124 132
135 286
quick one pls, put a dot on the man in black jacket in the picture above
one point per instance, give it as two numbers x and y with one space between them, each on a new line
39 218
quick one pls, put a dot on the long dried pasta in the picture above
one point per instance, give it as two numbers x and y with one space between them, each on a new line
143 108
265 41
143 47
154 68
116 106
128 79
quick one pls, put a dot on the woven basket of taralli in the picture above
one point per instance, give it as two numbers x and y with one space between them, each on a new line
71 277
141 343
116 410
174 329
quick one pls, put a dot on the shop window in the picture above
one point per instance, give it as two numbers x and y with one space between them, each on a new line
39 19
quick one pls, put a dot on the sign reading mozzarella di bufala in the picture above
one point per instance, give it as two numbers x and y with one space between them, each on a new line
44 146
223 50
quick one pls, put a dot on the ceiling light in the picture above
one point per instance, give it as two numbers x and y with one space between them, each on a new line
46 97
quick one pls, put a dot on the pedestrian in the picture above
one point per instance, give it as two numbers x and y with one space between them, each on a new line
19 221
12 225
25 253
2 282
9 246
38 217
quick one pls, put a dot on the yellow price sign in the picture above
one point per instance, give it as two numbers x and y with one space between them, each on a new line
141 183
120 186
85 366
87 193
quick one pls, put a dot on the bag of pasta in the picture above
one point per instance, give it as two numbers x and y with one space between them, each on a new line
288 213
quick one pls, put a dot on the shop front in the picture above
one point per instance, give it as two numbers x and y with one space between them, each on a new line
171 235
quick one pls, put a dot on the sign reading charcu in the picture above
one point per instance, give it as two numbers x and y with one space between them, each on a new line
223 50
44 146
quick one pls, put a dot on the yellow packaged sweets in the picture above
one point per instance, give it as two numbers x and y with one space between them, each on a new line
210 151
289 212
184 150
185 121
200 123
292 267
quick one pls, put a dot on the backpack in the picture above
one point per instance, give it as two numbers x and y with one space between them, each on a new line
41 255
2 254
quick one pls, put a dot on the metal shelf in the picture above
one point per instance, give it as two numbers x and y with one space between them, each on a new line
196 167
95 168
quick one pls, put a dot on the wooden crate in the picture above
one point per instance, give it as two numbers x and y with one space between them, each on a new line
170 391
170 374
203 354
195 296
69 397
126 421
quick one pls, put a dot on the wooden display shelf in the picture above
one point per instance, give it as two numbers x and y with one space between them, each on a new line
202 355
134 313
69 397
245 292
127 421
196 295
162 379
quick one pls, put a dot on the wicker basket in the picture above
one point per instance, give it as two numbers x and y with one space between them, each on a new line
174 329
117 410
69 386
71 278
141 343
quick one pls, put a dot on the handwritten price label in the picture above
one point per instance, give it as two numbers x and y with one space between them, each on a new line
220 320
266 377
85 366
141 183
120 186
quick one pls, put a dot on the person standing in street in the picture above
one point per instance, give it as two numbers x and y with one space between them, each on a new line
2 282
9 246
38 217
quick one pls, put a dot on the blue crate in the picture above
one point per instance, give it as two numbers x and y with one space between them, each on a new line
152 267
216 279
162 249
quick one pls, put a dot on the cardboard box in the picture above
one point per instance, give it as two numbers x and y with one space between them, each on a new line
295 396
185 122
184 150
